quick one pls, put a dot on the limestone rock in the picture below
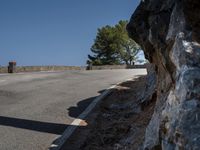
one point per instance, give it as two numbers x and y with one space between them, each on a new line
169 33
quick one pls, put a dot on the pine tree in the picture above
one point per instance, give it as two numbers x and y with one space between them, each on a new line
113 46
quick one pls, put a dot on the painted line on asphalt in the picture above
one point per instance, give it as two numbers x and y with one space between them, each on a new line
59 142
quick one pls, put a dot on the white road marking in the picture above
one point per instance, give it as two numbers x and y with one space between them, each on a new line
59 142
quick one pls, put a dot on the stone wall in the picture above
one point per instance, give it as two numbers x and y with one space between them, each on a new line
63 68
169 33
41 68
109 67
3 69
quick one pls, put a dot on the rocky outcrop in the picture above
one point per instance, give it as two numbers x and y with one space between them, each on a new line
169 33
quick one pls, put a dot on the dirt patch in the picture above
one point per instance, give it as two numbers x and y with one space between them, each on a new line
118 122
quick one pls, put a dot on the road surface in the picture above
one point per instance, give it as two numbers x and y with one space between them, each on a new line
35 108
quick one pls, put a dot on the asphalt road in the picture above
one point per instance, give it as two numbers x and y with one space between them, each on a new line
35 108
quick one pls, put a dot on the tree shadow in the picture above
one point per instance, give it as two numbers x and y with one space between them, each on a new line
75 111
38 126
101 91
78 138
54 128
46 127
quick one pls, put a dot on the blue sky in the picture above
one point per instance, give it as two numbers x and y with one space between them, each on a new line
55 32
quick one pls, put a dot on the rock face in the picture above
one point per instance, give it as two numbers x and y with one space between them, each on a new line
169 33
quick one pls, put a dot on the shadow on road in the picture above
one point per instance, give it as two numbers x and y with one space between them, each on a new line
46 127
112 119
39 126
75 111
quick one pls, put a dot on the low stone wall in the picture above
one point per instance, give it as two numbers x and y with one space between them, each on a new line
63 68
3 69
40 68
109 67
46 68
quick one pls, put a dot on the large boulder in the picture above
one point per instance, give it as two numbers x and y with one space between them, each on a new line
169 33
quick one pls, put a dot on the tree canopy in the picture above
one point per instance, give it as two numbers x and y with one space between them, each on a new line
113 46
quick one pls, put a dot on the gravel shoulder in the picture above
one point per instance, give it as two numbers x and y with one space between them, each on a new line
117 123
